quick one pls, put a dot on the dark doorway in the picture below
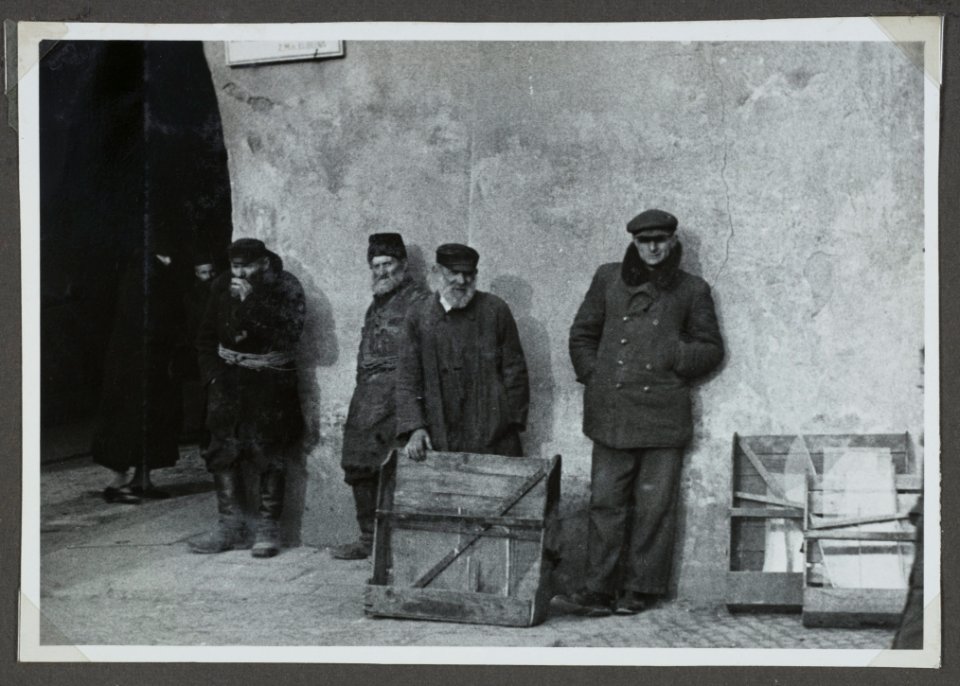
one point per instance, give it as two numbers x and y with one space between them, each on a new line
131 154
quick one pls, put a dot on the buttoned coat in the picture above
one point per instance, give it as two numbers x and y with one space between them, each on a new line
370 428
639 338
462 376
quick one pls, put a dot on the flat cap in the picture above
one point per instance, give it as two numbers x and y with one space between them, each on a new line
247 250
386 245
653 223
458 257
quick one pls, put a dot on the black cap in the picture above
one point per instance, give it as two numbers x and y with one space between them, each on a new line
458 257
247 250
386 245
202 257
653 223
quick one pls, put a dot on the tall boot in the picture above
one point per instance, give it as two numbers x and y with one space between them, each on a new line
229 533
272 484
365 499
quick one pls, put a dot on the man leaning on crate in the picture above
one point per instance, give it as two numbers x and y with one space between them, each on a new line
644 331
461 375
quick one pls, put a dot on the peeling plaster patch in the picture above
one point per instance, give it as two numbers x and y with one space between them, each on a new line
799 78
259 103
254 142
818 271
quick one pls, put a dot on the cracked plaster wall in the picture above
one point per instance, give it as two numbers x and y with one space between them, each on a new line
795 170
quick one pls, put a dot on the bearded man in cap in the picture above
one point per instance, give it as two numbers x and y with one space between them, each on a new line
370 430
246 354
645 330
462 376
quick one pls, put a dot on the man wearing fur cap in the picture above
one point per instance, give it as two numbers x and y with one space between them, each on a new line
370 430
645 330
246 350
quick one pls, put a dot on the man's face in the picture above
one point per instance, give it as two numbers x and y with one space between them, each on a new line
204 272
457 288
386 273
249 271
654 249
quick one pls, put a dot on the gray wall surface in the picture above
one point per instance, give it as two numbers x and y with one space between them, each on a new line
795 170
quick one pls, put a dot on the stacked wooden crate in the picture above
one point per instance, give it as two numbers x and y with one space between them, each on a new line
780 515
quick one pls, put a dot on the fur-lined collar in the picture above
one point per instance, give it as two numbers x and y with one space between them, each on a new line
635 271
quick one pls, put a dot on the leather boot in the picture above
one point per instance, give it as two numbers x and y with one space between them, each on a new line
365 499
229 533
267 542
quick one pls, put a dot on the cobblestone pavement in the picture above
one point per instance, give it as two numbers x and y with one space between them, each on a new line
122 575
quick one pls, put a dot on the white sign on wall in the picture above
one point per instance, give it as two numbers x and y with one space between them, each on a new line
264 52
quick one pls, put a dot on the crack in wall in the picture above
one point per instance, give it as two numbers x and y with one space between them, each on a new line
723 168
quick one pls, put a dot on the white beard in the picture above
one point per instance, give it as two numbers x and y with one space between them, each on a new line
458 300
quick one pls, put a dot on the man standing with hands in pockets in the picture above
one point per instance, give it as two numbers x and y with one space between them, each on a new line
644 331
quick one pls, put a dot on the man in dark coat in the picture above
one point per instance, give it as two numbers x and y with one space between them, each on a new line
644 331
194 396
462 376
140 405
246 355
370 430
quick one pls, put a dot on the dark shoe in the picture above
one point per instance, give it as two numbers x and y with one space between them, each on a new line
151 492
632 602
267 542
584 604
219 540
358 550
123 495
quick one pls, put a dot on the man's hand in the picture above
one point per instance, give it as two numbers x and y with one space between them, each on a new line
240 288
418 445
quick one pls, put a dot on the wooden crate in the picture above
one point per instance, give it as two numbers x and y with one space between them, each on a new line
461 537
888 538
758 498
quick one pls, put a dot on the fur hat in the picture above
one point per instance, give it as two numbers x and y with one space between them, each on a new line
247 250
386 245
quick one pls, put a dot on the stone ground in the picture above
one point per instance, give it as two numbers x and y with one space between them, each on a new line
122 575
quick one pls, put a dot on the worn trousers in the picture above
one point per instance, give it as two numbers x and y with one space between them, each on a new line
633 514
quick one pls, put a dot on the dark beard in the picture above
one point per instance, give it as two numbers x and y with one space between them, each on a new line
386 284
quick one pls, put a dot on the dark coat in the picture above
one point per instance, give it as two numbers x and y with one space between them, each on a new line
370 430
462 376
251 412
139 416
639 338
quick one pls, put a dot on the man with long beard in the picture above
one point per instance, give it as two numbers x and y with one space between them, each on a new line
246 354
462 376
370 430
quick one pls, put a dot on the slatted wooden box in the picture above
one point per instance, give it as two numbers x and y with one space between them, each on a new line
863 550
461 537
759 501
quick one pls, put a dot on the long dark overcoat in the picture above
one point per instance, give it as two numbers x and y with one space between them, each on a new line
371 425
251 413
139 416
636 343
462 375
